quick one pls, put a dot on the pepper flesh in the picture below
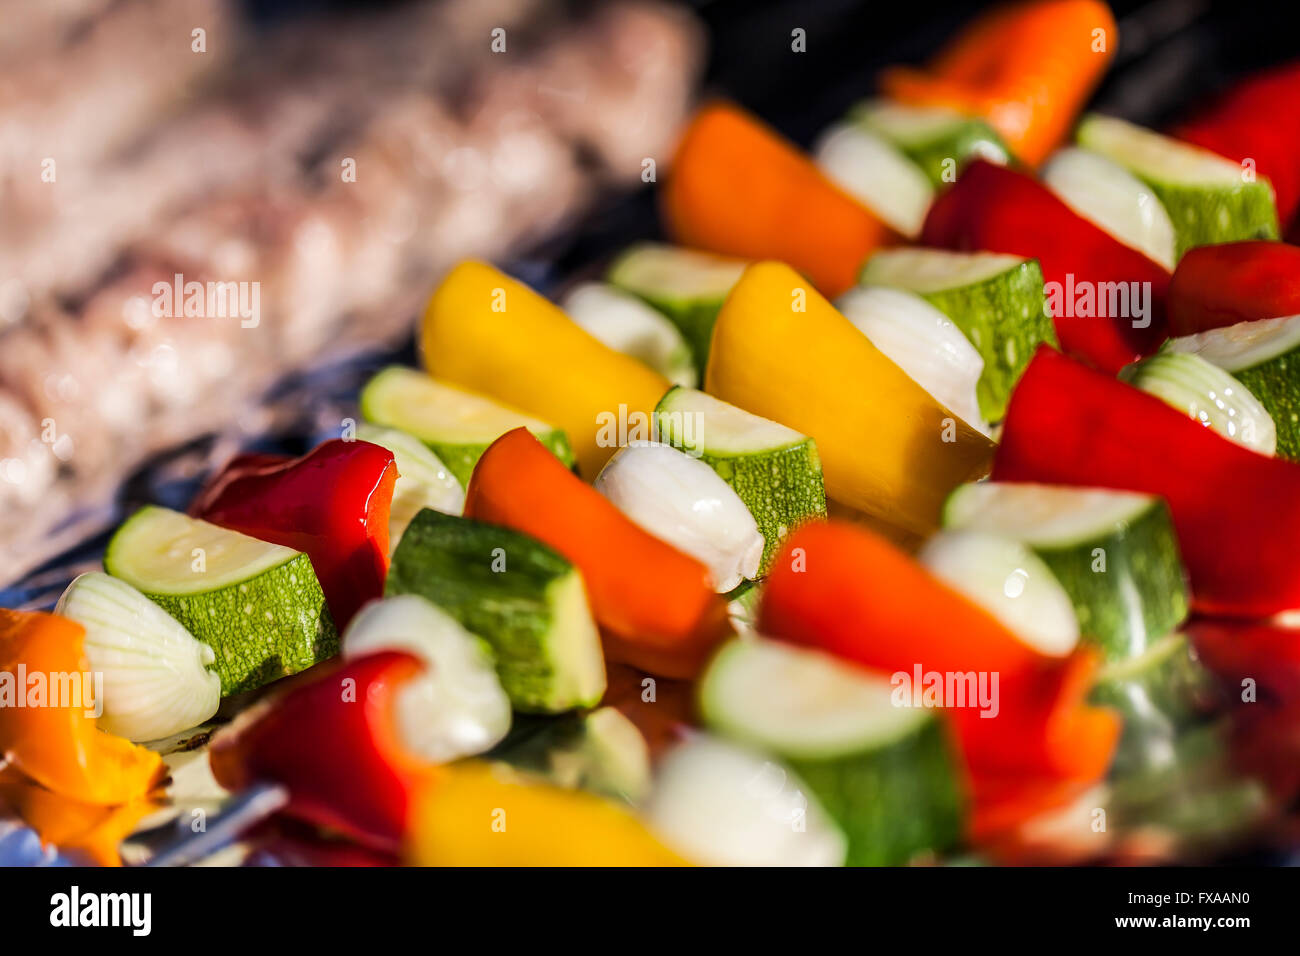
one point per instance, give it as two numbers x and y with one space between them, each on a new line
845 590
331 503
1237 513
1026 68
486 332
737 188
1214 286
92 830
333 742
481 815
656 606
994 209
55 742
887 446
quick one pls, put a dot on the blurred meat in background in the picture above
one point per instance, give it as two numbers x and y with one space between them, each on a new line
314 175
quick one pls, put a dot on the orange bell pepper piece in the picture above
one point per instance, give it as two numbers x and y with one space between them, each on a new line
736 187
52 740
1026 68
85 829
655 605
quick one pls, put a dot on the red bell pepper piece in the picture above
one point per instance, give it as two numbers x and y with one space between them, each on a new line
994 209
843 589
331 503
1215 286
656 606
1237 512
1263 651
332 741
1258 120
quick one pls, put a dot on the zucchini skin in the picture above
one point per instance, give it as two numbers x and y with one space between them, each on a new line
1006 319
449 560
1143 581
893 802
781 488
461 459
1159 696
1208 215
286 600
1274 383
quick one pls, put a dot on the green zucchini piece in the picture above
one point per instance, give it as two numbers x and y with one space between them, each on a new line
1207 394
998 301
885 773
516 593
774 470
686 285
1114 552
939 140
1208 197
1262 356
601 751
456 424
257 605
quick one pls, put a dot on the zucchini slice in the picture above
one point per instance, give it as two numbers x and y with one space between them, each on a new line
1208 197
884 773
158 679
720 804
877 174
456 707
1207 394
257 605
1114 552
456 424
627 324
523 598
601 751
775 470
997 300
686 285
1262 356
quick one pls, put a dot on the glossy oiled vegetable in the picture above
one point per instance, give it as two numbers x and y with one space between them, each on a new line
739 189
486 332
656 606
887 447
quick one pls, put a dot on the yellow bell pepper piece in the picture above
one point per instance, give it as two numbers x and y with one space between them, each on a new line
486 332
480 814
888 448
